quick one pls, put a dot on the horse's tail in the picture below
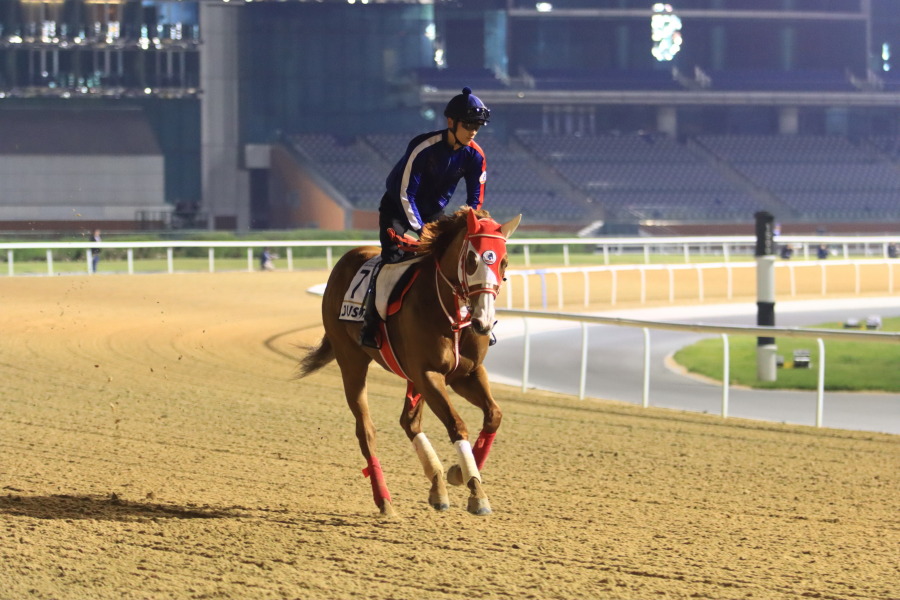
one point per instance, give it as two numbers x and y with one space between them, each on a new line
316 358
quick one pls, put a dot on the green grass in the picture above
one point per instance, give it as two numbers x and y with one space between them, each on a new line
849 366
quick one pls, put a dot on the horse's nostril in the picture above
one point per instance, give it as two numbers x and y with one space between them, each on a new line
480 328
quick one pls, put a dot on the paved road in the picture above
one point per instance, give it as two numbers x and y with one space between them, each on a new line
615 368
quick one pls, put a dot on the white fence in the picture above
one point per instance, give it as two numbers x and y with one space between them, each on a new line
170 247
686 248
726 246
818 334
518 285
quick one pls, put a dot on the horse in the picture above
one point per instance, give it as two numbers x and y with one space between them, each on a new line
437 338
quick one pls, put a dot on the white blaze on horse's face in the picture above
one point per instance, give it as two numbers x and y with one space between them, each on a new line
482 266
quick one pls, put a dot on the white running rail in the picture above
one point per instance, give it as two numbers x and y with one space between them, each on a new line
818 334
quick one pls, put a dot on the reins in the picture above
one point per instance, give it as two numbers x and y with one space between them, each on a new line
461 292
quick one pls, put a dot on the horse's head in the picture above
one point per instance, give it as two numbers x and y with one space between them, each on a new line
482 265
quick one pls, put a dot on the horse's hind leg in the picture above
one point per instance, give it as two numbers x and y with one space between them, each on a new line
355 391
476 390
411 422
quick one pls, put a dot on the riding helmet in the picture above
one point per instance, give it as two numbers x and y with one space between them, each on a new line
467 107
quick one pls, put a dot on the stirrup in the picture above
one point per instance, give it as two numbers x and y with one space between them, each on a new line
493 339
368 337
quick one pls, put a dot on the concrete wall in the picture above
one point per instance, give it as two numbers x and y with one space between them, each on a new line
50 188
296 200
226 187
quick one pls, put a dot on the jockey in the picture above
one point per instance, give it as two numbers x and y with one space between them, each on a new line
421 183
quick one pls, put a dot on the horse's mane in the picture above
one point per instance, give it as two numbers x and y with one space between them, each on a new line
438 235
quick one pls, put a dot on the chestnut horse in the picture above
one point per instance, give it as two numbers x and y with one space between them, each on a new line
437 338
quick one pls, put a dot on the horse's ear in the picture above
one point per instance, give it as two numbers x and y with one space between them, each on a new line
508 228
471 221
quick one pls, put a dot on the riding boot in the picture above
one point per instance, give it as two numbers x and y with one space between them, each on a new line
368 334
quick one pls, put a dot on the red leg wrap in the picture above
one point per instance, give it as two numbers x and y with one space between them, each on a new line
379 487
411 394
482 447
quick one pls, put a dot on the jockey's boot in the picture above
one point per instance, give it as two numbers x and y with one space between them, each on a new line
368 334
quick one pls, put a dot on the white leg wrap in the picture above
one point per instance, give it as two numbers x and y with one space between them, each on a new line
428 457
467 461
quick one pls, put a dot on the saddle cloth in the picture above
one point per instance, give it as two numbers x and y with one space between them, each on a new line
352 308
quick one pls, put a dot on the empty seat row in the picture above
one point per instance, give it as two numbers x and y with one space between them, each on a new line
644 176
785 149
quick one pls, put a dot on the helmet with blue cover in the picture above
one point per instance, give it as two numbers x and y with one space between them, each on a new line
467 107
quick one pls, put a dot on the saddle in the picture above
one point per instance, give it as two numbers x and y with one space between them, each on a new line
392 283
390 286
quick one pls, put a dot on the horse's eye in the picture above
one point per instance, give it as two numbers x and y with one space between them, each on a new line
471 263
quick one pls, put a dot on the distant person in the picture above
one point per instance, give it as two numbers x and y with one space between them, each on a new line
787 251
892 250
95 252
265 260
421 183
822 252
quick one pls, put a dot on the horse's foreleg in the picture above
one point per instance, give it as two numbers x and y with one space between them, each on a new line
435 393
476 390
411 422
438 497
478 500
355 391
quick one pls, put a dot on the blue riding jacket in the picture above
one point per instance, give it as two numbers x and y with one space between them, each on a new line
423 181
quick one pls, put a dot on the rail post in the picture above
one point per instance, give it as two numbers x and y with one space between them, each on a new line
582 376
820 388
645 402
526 353
765 295
726 374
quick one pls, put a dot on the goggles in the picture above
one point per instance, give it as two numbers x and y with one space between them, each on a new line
478 113
472 125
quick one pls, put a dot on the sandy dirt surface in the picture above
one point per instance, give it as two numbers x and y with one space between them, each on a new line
155 445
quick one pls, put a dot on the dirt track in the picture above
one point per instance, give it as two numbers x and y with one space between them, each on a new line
154 445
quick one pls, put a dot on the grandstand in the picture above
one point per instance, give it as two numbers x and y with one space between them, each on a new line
306 105
563 181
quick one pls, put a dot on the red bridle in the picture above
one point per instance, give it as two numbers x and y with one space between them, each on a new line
489 250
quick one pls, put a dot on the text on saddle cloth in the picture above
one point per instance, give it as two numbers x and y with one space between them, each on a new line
352 308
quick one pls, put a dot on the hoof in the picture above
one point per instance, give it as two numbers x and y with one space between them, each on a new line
387 510
478 501
438 497
454 475
479 506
